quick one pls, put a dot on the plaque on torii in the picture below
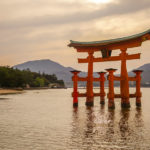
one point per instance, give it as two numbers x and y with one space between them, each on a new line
106 47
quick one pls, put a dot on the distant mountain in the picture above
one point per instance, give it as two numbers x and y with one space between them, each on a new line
145 74
47 66
63 73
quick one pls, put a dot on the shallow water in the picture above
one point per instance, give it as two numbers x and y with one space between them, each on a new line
45 120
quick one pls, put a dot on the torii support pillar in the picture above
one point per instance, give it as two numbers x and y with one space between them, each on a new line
75 87
102 91
138 87
90 95
111 94
124 83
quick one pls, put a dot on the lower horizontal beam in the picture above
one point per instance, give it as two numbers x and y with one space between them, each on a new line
130 95
98 94
117 95
82 79
132 78
83 60
117 78
82 94
96 79
85 95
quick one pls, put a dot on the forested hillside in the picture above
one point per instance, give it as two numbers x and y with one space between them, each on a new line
10 77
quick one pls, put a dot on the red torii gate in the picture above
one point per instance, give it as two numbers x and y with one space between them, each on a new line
106 47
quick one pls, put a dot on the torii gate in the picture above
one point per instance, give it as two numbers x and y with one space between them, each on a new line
106 47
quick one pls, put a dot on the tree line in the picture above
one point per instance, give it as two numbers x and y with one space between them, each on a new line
10 77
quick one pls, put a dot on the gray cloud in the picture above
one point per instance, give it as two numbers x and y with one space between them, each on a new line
123 7
42 28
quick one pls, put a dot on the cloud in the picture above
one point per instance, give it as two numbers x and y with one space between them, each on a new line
120 8
42 28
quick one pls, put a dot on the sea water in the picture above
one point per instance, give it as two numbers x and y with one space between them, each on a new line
46 120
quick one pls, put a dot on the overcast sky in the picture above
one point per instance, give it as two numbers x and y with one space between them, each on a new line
41 29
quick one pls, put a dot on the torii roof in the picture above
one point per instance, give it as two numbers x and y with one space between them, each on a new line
140 37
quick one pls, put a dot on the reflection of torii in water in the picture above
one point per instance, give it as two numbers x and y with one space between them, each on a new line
106 47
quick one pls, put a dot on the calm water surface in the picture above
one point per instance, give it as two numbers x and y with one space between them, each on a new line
45 120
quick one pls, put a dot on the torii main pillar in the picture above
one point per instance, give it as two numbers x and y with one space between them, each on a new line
89 87
124 83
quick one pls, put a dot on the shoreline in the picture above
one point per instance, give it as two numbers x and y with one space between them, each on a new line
10 91
5 91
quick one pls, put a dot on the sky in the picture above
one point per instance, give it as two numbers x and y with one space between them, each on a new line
42 29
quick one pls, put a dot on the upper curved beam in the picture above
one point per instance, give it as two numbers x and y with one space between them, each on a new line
119 43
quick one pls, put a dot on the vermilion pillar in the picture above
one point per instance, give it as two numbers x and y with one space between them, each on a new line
102 91
111 94
75 87
124 83
90 95
138 87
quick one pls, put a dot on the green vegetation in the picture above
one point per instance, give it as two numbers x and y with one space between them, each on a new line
10 78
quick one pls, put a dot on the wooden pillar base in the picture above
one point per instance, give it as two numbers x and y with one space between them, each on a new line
125 103
75 99
89 104
138 101
89 101
138 104
75 104
102 99
111 104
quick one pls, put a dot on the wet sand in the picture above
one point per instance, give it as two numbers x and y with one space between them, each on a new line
10 91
